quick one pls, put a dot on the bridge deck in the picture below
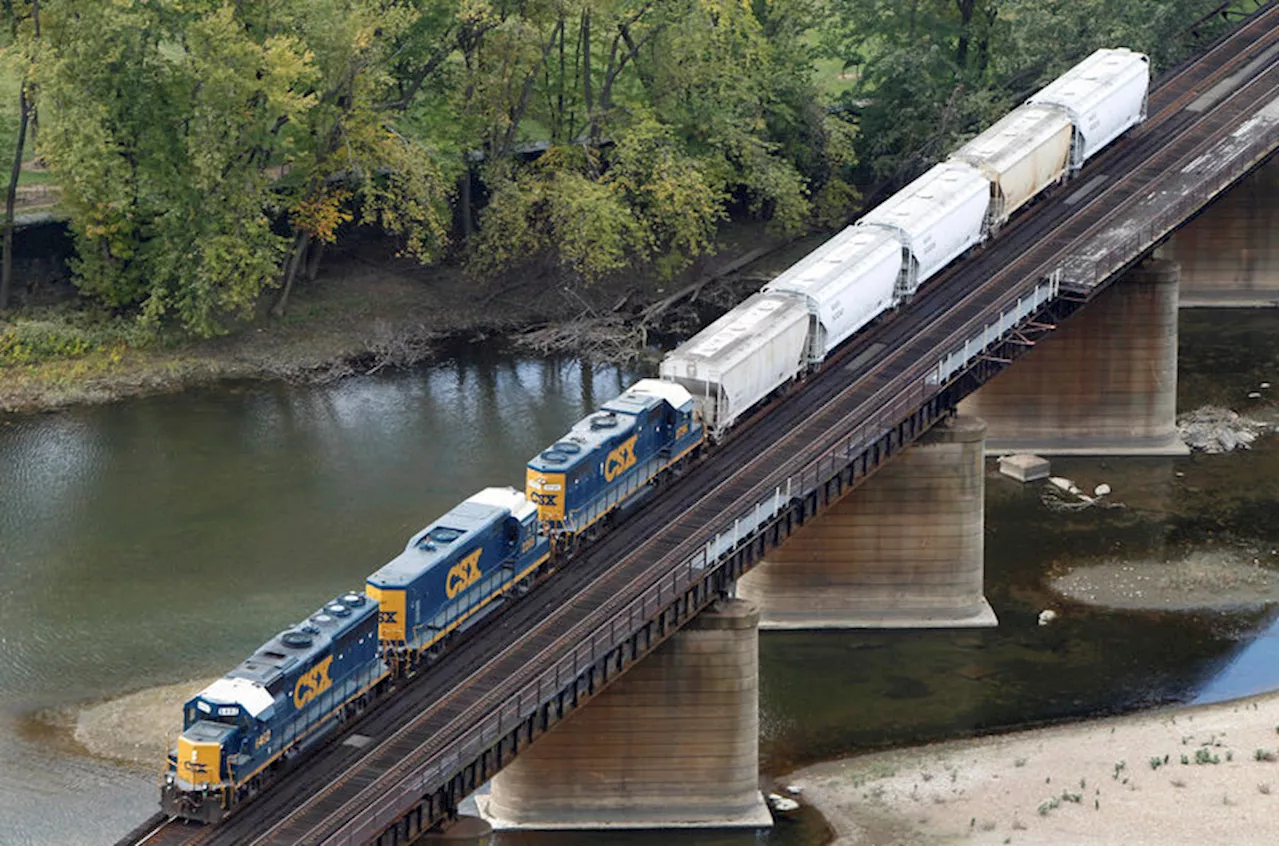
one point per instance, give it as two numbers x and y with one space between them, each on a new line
524 670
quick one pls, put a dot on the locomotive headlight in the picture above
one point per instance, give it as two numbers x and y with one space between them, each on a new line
168 779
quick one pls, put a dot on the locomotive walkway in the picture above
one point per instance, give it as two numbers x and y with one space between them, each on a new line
417 756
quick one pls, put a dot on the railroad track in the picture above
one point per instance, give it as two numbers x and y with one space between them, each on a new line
431 713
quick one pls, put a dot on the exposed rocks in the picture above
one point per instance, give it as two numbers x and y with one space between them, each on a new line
1213 429
1061 494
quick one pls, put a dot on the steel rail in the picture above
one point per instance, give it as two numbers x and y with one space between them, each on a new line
381 785
1224 49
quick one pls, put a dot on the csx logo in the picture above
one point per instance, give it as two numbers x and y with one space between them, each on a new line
543 498
195 766
263 739
312 683
463 575
386 616
621 459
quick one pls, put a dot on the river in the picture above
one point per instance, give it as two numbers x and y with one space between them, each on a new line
162 539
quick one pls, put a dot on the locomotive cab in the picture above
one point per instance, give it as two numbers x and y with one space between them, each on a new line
219 739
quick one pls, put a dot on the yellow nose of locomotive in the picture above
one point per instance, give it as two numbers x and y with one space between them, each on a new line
546 490
199 761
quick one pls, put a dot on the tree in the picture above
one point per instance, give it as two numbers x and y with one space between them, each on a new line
24 39
932 72
677 109
184 132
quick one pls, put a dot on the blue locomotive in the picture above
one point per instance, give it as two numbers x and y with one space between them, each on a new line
295 688
610 456
454 571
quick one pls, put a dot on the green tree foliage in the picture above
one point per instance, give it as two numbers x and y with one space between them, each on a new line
679 110
182 130
930 73
162 125
209 149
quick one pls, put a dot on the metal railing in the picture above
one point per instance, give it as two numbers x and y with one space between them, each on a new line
595 640
1234 155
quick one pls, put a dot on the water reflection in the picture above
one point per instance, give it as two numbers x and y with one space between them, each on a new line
161 539
1250 669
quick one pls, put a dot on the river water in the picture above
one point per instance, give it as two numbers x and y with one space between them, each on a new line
161 539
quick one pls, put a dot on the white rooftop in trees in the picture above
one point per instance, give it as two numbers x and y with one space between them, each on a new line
845 283
1103 95
936 218
1022 153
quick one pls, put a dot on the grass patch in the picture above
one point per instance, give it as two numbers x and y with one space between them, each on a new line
33 336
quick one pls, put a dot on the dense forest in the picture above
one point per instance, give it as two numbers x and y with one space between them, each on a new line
207 151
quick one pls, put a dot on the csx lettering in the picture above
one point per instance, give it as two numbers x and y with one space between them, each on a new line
543 498
195 766
386 616
463 575
621 459
312 683
263 739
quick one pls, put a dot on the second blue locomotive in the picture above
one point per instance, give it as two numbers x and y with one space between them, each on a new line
452 572
611 455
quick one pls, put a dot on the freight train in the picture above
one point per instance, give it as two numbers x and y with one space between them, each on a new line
246 727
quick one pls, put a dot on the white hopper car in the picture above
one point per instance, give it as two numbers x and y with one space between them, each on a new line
846 283
754 349
1022 154
937 217
778 335
1103 96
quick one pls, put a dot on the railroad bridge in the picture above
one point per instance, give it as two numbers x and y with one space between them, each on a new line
1211 122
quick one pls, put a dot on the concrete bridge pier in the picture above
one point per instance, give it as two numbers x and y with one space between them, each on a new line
904 550
1104 383
1228 253
672 744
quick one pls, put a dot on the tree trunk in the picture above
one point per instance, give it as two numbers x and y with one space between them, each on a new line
586 64
464 198
6 267
300 242
313 263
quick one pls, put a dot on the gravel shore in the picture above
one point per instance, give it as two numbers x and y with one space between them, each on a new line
138 728
1206 774
1202 774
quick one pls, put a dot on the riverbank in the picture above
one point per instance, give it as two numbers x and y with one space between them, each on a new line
370 309
1206 774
